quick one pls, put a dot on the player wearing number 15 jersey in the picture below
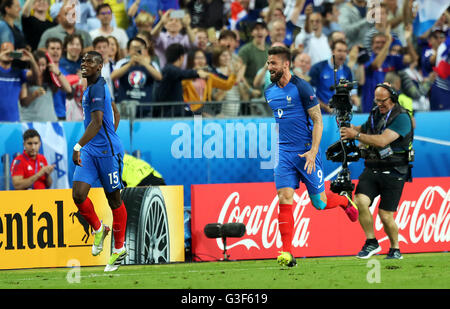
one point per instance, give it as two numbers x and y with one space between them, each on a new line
98 157
297 113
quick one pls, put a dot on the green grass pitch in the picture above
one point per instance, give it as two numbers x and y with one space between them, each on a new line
426 270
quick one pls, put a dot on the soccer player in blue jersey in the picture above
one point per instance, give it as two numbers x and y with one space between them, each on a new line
98 155
297 113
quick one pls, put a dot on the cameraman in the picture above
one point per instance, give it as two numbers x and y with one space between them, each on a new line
387 136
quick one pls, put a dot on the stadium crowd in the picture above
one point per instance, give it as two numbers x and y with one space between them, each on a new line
187 52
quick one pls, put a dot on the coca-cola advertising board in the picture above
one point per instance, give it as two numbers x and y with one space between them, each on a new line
423 218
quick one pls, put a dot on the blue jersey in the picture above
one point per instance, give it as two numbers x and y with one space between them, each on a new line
290 105
97 98
11 81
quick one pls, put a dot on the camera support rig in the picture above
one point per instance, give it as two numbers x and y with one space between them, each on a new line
343 150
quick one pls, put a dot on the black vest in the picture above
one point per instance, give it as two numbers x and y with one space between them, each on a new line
377 123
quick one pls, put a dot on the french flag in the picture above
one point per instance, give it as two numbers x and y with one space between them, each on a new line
429 12
442 67
237 12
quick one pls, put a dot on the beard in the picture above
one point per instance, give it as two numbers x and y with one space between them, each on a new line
276 77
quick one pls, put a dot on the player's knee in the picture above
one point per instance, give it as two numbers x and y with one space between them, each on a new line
78 197
285 196
317 202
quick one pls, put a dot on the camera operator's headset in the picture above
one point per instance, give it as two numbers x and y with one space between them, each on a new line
392 92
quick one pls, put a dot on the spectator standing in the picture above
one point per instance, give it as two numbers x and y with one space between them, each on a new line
120 12
70 61
65 27
85 10
142 22
277 33
428 59
136 74
330 18
169 89
301 65
115 53
10 11
30 169
315 43
353 21
322 76
54 48
172 34
440 90
38 105
254 53
101 45
104 14
13 82
201 89
34 26
380 26
222 64
376 68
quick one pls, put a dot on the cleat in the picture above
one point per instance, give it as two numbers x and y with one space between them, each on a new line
394 254
368 250
351 209
116 259
286 259
97 246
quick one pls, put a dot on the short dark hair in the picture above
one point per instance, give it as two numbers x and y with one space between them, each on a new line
174 52
53 40
136 39
284 52
70 38
30 133
97 56
227 34
101 6
99 39
5 4
339 41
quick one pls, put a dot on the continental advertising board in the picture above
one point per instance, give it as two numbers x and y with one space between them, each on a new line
43 228
423 218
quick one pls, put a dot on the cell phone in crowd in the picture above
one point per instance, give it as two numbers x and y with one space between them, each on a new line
16 54
177 14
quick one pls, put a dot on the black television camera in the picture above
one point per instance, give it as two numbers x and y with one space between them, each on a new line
343 150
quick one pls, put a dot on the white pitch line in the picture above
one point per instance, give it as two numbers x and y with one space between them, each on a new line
432 140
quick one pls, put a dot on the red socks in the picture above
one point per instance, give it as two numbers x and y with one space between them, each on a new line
119 220
286 226
119 225
86 209
334 200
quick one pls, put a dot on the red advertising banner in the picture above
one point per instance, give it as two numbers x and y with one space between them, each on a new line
423 218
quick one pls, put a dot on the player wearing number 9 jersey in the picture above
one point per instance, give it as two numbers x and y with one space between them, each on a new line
297 113
98 157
